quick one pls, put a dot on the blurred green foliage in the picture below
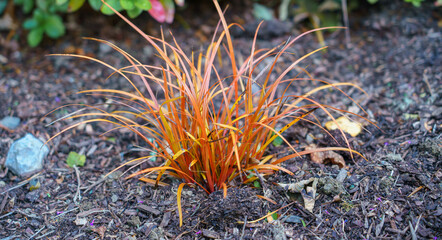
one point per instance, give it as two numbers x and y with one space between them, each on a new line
46 14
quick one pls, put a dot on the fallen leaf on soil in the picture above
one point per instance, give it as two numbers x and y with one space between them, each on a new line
346 125
309 196
75 159
326 156
60 179
296 187
100 230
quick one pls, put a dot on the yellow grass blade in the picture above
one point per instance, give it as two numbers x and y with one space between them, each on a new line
178 154
285 128
227 126
178 198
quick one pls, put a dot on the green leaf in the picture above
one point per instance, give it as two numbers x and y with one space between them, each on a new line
303 223
127 4
3 4
278 141
262 12
60 2
54 8
95 4
30 23
74 5
35 36
275 216
75 159
143 4
39 16
256 184
372 1
134 12
28 6
113 3
43 4
54 27
416 3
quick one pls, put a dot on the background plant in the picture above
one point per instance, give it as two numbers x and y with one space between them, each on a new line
47 14
209 129
320 13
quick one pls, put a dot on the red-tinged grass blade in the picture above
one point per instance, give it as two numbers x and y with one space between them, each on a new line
200 141
153 182
180 210
267 199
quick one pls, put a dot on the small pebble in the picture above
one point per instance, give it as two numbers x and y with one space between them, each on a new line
114 198
10 122
293 219
416 125
342 175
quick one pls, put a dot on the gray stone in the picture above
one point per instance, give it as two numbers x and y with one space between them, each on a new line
342 175
26 155
293 219
10 122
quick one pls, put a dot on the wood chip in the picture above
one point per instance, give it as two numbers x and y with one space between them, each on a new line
148 209
166 219
92 211
210 234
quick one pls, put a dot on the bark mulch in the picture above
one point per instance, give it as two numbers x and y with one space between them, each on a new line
395 55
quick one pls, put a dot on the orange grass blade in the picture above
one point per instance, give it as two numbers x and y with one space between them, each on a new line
267 199
153 182
224 186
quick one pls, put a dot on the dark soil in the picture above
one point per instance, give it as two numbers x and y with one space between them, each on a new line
395 55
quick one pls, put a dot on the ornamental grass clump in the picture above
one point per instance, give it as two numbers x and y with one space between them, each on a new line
209 129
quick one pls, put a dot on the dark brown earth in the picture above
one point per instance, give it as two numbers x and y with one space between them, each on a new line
395 55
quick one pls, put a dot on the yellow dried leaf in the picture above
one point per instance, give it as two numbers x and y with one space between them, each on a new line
352 128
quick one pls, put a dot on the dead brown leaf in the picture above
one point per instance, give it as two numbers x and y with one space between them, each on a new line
100 230
325 157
